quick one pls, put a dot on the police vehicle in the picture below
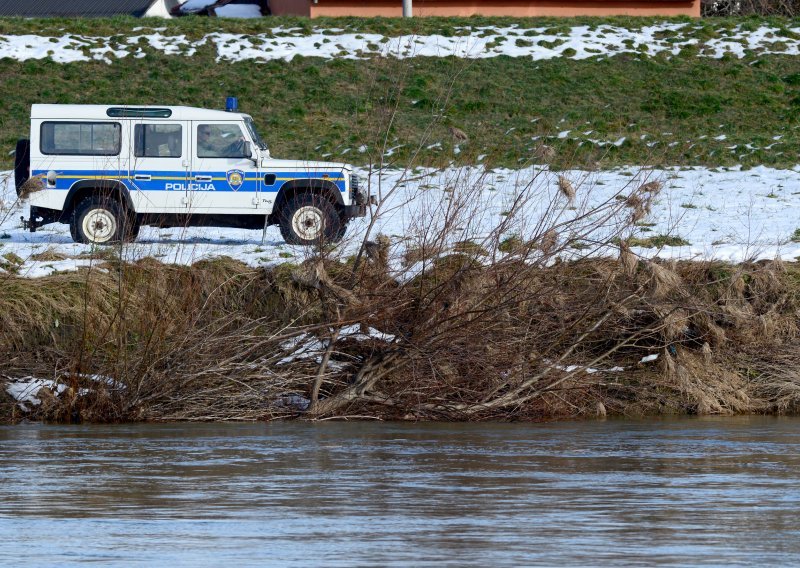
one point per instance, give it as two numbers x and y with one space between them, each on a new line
107 170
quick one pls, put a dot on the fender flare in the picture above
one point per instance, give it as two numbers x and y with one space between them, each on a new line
108 186
300 185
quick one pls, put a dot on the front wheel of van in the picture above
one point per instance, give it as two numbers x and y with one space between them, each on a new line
99 220
309 219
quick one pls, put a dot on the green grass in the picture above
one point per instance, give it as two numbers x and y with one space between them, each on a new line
327 109
658 241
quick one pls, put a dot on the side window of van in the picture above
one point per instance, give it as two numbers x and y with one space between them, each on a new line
81 138
220 141
157 140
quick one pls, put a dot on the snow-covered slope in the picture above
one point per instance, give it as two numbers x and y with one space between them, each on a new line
576 42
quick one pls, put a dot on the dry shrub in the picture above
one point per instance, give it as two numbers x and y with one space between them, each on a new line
788 8
545 153
547 242
674 323
48 255
566 189
767 284
663 281
707 329
651 187
31 185
774 379
313 274
422 253
627 259
704 387
634 201
377 251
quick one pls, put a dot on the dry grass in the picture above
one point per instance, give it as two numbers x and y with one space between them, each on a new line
471 341
628 260
566 188
664 281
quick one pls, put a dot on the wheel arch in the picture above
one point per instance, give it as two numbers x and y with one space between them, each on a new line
107 187
323 187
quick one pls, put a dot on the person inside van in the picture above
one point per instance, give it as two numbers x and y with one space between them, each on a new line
204 146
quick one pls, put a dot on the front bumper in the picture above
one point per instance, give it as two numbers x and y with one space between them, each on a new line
360 203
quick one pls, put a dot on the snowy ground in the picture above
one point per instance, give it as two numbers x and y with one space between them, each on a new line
576 42
729 215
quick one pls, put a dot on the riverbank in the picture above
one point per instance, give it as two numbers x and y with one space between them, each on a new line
467 294
465 340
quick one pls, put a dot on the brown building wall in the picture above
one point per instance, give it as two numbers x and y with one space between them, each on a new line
519 8
290 7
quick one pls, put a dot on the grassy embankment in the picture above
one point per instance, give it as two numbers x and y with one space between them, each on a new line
673 110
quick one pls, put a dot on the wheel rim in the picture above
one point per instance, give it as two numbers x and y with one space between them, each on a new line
99 225
308 223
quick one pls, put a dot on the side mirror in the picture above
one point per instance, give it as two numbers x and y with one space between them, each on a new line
247 152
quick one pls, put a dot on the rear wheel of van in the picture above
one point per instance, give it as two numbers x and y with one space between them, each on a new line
307 219
101 220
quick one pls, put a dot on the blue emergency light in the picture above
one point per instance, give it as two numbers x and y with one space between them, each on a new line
231 104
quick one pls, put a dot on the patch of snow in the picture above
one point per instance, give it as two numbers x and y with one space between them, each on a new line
588 370
25 390
649 358
355 332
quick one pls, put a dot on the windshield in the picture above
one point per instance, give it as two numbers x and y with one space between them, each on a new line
251 126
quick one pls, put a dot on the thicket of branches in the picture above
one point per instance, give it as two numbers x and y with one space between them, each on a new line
788 8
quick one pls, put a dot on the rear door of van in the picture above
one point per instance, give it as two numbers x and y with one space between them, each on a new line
159 165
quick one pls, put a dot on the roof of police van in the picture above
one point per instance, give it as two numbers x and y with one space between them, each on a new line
98 112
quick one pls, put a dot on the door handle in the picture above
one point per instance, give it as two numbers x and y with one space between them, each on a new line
142 177
202 178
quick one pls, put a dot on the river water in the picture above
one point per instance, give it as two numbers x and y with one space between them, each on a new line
688 492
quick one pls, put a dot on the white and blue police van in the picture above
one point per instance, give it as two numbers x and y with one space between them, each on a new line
107 170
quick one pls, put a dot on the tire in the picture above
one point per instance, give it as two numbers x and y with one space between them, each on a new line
309 219
22 163
101 220
342 229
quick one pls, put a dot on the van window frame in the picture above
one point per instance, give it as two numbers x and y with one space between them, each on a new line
81 122
211 123
142 125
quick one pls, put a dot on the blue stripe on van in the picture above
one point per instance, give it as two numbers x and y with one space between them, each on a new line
67 178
